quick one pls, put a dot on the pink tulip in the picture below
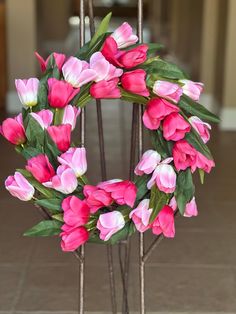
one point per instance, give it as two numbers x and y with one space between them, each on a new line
77 72
141 215
173 204
192 89
96 198
13 130
40 167
61 135
175 127
60 93
111 52
134 57
75 158
43 117
134 82
58 57
64 181
110 223
124 36
103 69
168 90
164 223
70 115
122 192
191 209
148 162
201 127
203 163
156 110
19 187
28 91
105 89
76 211
165 178
73 238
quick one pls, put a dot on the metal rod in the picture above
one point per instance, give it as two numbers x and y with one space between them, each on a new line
152 247
103 170
81 281
133 141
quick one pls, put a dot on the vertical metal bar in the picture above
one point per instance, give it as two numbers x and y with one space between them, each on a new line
103 170
140 150
82 139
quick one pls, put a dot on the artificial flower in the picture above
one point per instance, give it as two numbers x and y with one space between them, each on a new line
141 215
109 224
72 238
134 82
124 36
96 198
13 130
76 211
58 57
168 90
192 89
148 162
164 223
19 187
40 167
201 127
61 135
75 158
28 91
70 115
105 89
43 117
175 127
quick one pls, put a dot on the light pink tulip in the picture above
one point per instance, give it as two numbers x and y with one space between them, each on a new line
175 127
72 238
164 223
13 130
19 187
191 208
148 162
58 57
192 89
168 90
70 115
75 158
64 181
124 36
173 204
165 178
201 127
141 215
40 167
77 72
76 211
96 198
28 91
110 223
43 117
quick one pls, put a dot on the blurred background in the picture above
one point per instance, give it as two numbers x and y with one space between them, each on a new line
195 272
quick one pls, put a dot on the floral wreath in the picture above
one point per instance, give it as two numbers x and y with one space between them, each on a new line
111 65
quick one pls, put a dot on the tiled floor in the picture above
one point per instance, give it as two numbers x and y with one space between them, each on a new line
194 273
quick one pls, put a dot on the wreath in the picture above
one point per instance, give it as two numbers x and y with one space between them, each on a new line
110 65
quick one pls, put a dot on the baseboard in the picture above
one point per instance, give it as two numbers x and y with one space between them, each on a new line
228 119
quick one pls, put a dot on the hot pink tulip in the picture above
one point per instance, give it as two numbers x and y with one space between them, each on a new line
61 135
203 163
60 93
19 187
110 223
77 72
43 117
59 60
111 52
96 198
191 208
40 167
192 89
76 211
168 90
64 181
28 91
13 130
134 82
165 178
122 192
148 162
75 158
134 57
105 89
156 110
141 215
72 238
201 127
124 36
175 127
104 70
70 115
164 223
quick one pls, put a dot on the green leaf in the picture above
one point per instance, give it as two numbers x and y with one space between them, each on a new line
163 147
103 27
157 201
53 204
44 228
58 217
184 189
29 152
51 149
196 109
201 175
58 116
133 98
141 183
195 140
34 133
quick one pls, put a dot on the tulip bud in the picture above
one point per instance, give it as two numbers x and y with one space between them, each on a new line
19 187
109 224
28 91
12 129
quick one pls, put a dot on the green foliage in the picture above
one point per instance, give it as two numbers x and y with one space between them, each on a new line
163 147
45 228
34 133
103 27
133 98
53 204
141 183
184 189
157 201
195 140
